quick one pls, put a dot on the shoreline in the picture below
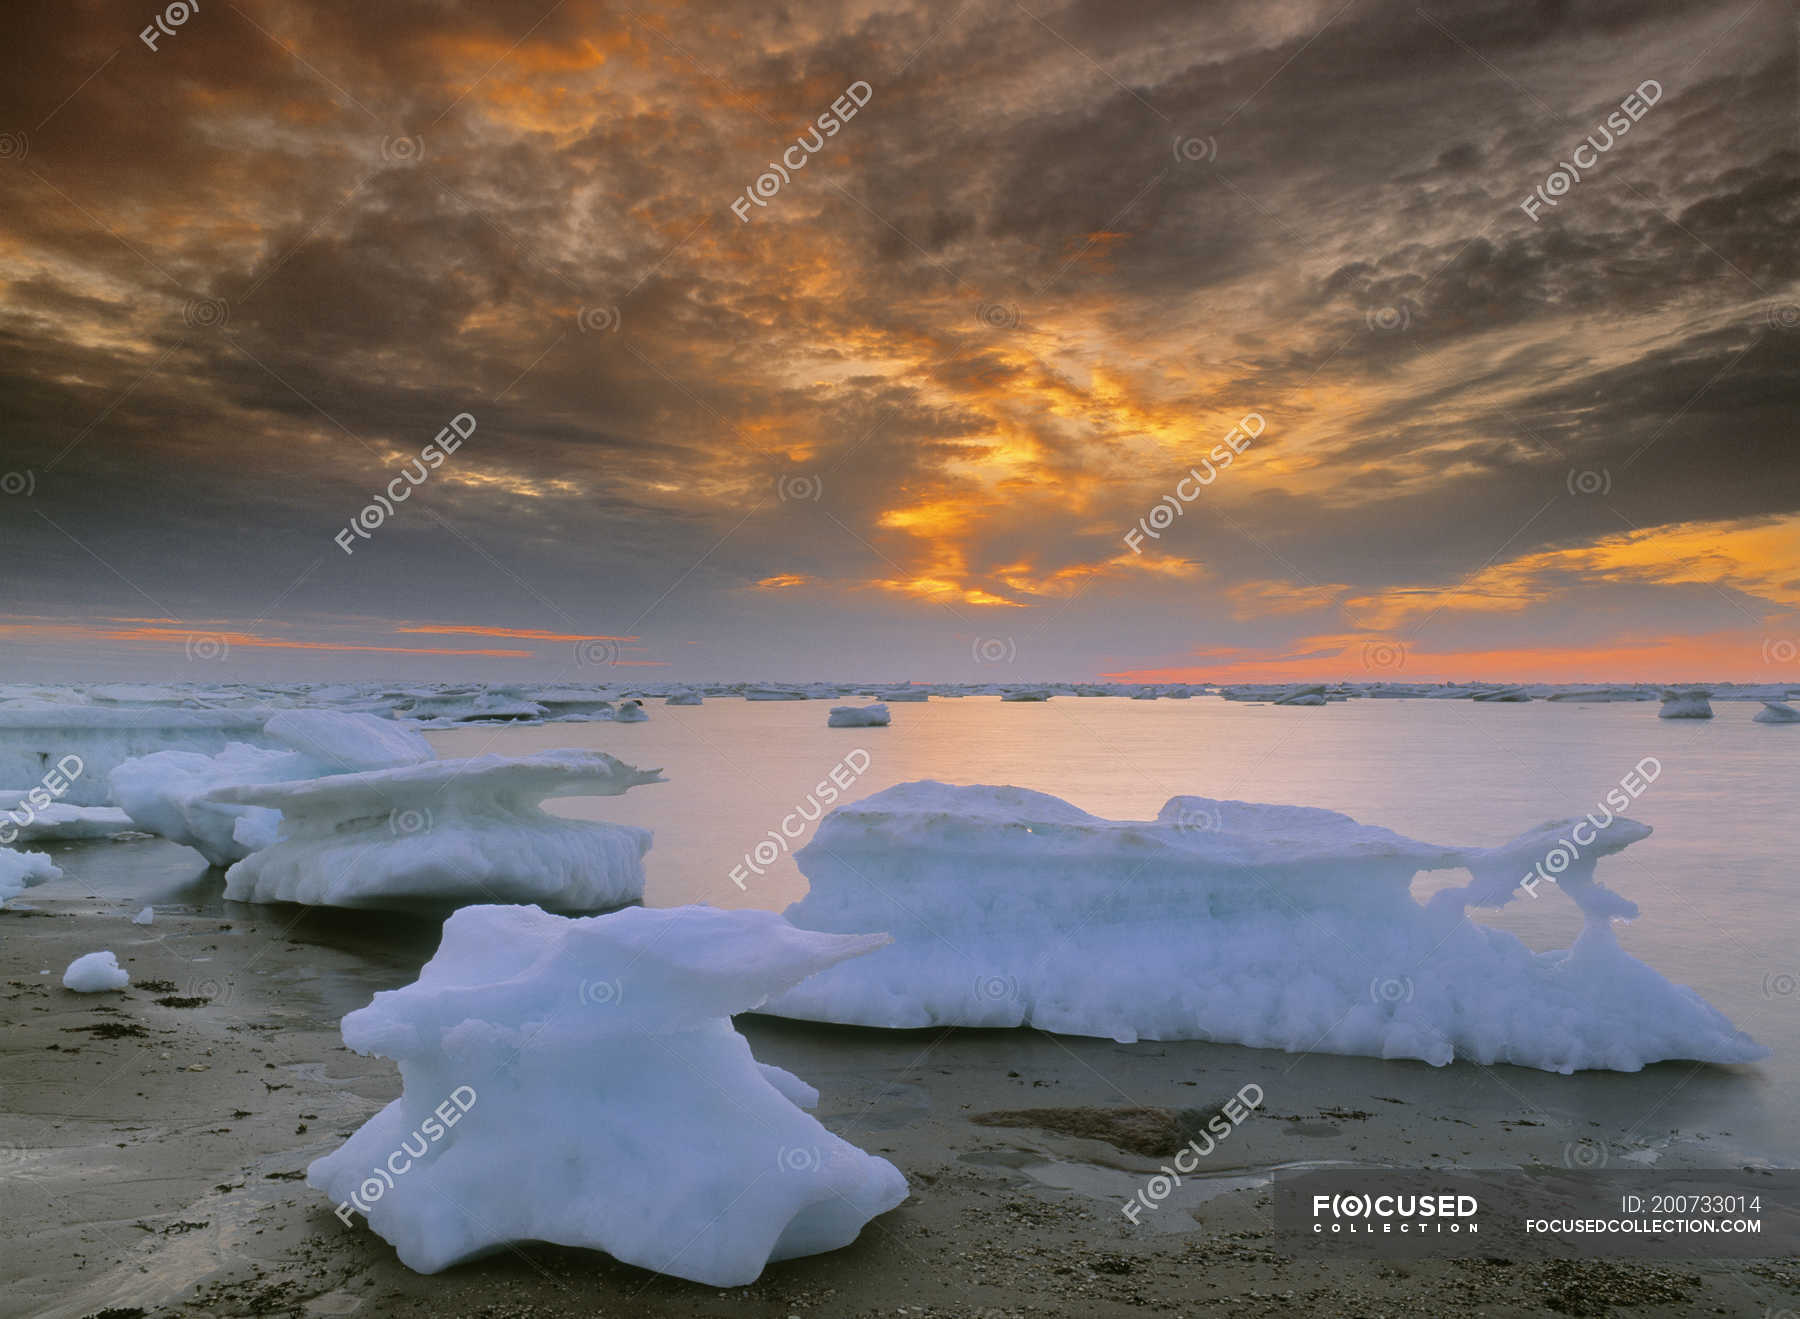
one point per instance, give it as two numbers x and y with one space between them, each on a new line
156 1149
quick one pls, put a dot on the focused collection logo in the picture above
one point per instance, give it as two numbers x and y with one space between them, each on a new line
1355 1214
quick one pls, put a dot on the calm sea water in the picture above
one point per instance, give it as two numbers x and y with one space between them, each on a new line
1716 883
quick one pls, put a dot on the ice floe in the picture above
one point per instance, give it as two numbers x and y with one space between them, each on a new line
1686 705
446 832
858 716
579 1081
1281 927
169 792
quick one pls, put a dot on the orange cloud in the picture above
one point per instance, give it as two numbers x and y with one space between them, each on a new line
1267 599
1756 556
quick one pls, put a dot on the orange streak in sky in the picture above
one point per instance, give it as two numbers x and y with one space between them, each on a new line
510 633
1713 657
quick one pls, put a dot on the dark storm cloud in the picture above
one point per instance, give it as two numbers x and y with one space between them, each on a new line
989 317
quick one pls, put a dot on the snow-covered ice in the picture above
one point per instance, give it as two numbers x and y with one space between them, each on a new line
1028 694
348 742
1686 705
145 917
565 702
858 716
22 870
579 1081
446 831
1282 927
630 712
168 792
95 973
1776 712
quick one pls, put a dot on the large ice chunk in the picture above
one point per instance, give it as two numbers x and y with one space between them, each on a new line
348 742
33 740
858 716
1283 927
1307 695
1694 704
168 793
447 831
579 1081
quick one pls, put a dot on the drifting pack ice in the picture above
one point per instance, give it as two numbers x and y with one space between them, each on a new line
446 831
579 1081
168 793
1283 927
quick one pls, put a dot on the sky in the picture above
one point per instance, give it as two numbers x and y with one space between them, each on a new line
939 384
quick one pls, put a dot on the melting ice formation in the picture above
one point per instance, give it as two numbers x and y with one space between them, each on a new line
1686 705
579 1081
446 832
25 820
22 870
874 715
1283 927
169 792
95 973
1776 712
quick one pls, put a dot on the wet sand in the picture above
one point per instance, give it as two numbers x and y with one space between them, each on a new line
154 1142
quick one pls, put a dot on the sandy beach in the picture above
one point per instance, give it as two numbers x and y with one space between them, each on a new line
156 1141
